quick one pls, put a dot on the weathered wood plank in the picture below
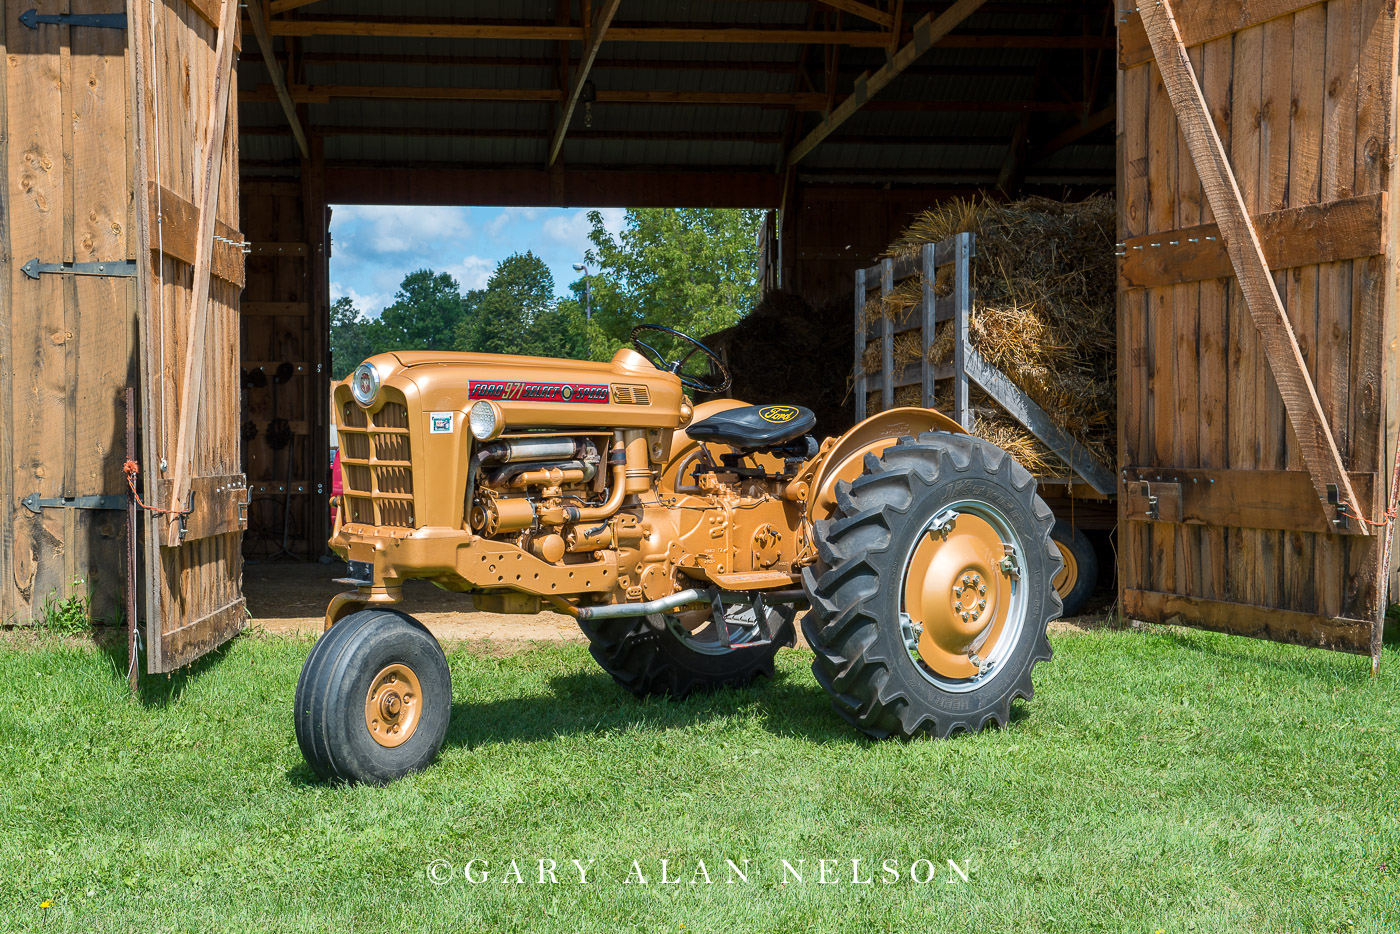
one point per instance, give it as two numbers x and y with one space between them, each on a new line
1243 619
1318 448
181 646
175 223
1349 228
1203 22
1248 499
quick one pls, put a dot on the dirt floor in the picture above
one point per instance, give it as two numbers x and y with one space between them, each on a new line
291 597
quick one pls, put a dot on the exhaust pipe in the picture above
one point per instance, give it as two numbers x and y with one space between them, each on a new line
619 610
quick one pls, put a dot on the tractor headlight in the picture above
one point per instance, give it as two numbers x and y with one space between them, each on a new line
364 385
486 420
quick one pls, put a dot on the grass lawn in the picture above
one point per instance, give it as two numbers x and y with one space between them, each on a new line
1161 781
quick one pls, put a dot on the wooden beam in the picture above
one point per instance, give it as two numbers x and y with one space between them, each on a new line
1239 499
192 382
570 187
597 30
866 39
283 6
927 31
1316 443
809 101
274 309
1246 619
279 81
1316 233
863 10
448 29
1202 23
178 223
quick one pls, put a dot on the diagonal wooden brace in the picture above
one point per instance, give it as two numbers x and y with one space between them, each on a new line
1315 439
192 383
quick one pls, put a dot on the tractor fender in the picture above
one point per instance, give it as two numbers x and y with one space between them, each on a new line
844 458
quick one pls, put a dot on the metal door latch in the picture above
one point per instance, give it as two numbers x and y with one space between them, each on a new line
34 504
33 19
119 267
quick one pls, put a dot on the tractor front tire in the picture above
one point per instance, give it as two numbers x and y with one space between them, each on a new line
648 658
374 699
931 593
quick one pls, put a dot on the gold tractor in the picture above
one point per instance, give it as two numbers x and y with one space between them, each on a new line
684 539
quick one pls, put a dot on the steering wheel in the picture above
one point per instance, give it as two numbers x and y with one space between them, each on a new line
658 359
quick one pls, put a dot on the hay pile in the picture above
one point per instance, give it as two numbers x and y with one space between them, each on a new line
779 352
1043 313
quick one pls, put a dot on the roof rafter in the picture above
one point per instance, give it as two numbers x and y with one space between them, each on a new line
595 32
279 81
863 10
927 31
808 100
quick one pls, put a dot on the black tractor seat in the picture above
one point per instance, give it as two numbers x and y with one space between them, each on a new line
754 426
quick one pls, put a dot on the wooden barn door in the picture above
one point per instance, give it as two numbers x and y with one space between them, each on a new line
186 123
1257 316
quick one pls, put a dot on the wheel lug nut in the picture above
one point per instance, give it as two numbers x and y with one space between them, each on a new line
981 604
982 590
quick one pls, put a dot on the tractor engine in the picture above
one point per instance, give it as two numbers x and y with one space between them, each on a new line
710 515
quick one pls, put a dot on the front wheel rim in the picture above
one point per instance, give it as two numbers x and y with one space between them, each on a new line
962 601
393 705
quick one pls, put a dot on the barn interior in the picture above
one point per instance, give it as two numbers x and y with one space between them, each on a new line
842 118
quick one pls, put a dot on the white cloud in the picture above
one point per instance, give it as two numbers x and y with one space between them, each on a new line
472 272
369 303
571 230
495 227
398 230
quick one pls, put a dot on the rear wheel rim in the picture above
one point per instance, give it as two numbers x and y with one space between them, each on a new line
962 603
393 705
1064 581
696 630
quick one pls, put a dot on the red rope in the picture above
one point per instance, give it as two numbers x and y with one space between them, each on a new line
1347 510
131 469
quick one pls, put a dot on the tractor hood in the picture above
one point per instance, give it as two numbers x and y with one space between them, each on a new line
626 392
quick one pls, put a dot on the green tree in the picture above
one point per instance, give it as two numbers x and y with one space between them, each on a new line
516 313
693 269
352 337
425 315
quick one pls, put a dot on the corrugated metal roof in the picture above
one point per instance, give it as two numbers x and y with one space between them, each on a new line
892 135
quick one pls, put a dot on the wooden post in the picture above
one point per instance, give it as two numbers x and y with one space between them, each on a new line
886 337
133 529
860 379
929 322
1316 443
962 308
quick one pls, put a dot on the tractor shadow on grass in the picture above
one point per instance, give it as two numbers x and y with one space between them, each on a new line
585 702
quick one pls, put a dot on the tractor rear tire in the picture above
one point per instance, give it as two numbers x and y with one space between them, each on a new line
922 533
1076 581
647 658
374 699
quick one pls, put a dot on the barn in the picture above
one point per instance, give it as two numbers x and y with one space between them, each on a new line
171 167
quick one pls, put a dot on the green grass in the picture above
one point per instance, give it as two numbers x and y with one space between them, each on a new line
1160 781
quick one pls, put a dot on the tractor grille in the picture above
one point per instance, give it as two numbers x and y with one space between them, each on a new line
377 465
631 395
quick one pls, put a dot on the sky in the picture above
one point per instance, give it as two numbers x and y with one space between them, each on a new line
374 246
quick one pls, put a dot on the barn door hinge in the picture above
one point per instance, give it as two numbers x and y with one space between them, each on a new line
118 267
33 19
34 504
